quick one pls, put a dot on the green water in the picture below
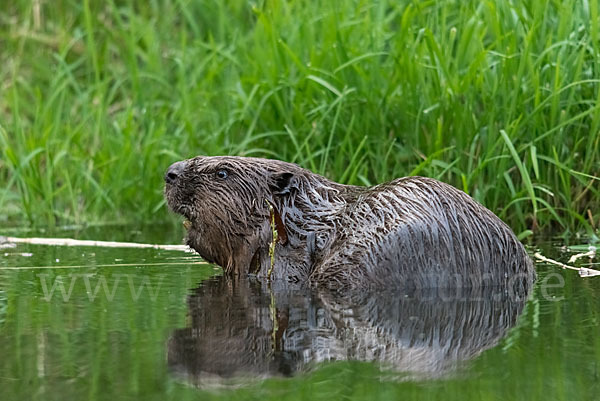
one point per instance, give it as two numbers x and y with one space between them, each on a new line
148 324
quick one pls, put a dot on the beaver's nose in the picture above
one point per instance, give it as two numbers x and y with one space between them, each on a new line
174 171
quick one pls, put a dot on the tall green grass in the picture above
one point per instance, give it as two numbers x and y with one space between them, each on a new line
499 98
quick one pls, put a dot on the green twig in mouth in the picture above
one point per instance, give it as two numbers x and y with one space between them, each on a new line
275 236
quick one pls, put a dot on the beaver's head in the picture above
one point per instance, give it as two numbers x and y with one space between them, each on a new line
226 201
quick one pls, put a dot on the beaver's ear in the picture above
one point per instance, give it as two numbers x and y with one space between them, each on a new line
282 182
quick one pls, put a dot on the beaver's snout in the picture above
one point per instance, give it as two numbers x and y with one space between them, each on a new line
174 171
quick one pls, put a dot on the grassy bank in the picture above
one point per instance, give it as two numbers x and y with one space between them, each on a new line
97 98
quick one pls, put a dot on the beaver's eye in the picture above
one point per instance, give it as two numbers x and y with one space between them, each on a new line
222 174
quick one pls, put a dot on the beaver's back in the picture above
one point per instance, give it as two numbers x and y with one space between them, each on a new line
420 232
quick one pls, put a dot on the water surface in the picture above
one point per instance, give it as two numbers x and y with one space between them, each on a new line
107 324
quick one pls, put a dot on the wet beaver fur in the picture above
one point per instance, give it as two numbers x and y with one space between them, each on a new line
276 219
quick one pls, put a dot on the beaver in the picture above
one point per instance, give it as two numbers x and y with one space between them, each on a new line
274 219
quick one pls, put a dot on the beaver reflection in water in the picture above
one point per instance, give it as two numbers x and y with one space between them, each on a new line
239 330
409 232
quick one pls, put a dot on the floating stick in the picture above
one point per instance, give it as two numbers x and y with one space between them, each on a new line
105 244
583 271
